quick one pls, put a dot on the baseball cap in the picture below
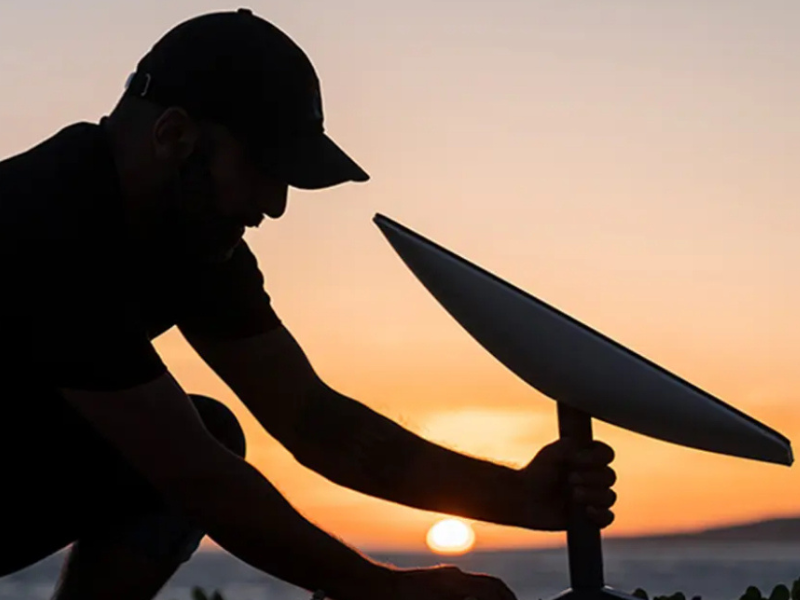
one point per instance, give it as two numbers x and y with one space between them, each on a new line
237 69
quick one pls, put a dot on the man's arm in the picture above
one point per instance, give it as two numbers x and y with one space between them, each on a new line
156 427
350 444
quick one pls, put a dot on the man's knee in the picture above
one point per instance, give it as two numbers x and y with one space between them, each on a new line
164 535
221 423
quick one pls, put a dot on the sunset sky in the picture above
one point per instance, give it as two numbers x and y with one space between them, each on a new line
633 163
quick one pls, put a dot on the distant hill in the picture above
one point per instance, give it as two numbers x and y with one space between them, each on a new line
767 532
784 530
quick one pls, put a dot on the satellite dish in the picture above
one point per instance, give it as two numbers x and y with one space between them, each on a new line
588 374
574 364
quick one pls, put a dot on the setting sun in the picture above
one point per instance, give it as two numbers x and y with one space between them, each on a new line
451 536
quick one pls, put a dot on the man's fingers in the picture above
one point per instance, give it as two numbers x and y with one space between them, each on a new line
491 588
603 477
602 517
567 450
595 498
596 454
561 451
459 585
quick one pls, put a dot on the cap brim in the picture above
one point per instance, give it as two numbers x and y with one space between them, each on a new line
315 162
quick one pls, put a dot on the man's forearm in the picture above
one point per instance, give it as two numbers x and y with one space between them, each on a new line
247 516
353 446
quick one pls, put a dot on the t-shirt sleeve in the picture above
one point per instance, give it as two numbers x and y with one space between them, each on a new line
83 330
227 300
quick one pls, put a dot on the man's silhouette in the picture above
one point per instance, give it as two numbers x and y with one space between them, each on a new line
113 233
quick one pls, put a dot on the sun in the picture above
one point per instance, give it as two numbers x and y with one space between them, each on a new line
451 536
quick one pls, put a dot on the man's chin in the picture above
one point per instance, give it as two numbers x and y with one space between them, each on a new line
221 255
196 247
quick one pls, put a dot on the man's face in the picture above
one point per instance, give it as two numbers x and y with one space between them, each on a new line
214 195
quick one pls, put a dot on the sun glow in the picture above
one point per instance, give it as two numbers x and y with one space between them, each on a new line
451 536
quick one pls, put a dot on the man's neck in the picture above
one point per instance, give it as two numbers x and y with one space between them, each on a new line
140 204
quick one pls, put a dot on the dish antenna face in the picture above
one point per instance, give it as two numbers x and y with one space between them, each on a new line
588 374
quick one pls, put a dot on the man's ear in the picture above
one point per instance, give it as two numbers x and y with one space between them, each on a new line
174 136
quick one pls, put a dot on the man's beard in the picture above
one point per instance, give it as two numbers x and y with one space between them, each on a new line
191 225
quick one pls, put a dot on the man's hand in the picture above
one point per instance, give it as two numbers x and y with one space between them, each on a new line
563 473
446 583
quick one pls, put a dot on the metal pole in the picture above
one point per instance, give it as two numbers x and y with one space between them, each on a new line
583 537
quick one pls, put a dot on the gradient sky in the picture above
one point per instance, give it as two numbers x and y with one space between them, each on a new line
632 163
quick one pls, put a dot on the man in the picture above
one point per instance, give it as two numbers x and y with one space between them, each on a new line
113 233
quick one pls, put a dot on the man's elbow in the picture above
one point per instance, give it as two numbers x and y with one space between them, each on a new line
310 455
185 481
313 432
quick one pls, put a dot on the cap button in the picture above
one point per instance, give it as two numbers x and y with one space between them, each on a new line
245 11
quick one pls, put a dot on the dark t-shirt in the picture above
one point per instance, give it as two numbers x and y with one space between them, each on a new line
78 309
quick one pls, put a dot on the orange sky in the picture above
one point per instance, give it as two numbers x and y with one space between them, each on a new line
633 164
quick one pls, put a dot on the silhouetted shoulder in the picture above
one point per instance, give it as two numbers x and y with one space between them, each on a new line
60 188
66 312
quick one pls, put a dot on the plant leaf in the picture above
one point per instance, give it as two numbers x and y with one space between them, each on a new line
796 590
752 593
781 592
198 594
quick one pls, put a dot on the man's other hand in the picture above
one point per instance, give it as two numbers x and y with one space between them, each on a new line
446 583
563 474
